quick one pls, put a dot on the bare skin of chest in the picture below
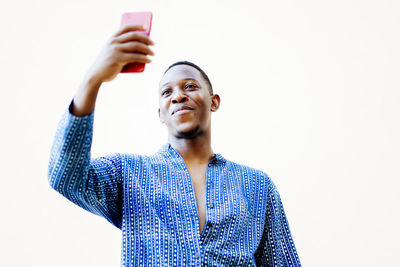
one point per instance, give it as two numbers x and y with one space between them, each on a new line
198 176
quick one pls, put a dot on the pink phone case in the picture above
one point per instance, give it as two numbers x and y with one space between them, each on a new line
138 18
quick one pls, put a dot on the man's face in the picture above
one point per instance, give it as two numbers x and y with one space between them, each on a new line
185 103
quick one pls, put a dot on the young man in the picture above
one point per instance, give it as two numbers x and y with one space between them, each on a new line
184 205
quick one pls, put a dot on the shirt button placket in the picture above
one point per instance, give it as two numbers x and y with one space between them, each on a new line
211 199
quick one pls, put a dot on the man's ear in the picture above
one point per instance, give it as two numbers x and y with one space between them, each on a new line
159 115
215 101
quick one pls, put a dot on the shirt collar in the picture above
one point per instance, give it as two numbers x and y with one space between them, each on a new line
168 150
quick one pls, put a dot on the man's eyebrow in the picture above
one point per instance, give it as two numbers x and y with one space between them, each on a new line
187 79
190 79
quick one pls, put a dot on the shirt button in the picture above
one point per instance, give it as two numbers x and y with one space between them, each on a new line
197 255
211 206
209 224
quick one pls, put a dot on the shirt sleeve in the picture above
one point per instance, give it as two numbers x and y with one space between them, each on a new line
276 247
95 185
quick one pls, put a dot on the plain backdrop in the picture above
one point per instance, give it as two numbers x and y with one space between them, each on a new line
310 95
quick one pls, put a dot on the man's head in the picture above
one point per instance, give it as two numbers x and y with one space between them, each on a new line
186 100
203 74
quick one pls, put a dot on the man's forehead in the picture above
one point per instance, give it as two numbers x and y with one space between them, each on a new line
180 72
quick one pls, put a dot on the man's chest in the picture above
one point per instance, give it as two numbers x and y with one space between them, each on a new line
198 177
164 205
208 195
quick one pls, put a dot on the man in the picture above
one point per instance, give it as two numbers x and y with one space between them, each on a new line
184 205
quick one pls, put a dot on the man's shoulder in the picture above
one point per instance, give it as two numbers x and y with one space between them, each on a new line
247 171
161 157
132 157
255 183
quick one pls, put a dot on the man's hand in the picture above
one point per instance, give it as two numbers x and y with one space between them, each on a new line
125 46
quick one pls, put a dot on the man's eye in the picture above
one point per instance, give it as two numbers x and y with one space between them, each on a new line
190 86
166 92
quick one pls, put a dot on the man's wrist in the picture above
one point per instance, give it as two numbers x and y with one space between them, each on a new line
91 84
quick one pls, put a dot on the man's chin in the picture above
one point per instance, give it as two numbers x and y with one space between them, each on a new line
188 133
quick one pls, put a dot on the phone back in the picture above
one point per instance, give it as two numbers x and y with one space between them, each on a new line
138 18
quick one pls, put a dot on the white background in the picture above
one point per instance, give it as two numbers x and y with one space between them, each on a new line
310 95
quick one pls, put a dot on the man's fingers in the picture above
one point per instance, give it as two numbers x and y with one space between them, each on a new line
136 47
133 57
133 36
129 27
130 46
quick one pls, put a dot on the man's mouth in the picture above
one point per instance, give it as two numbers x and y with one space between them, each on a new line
181 109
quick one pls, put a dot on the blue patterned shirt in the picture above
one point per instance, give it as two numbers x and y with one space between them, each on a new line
152 200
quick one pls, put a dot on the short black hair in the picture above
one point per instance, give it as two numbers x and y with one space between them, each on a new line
203 74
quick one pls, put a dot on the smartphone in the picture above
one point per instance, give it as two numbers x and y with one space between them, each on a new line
138 18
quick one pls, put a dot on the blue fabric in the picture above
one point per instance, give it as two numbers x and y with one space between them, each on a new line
151 198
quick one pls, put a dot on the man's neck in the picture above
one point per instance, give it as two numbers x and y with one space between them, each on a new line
195 150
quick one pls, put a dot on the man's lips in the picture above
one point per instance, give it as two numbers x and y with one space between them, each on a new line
181 108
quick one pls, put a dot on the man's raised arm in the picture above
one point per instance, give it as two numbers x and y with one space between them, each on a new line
125 46
95 185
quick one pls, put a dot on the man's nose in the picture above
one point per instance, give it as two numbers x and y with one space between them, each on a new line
178 97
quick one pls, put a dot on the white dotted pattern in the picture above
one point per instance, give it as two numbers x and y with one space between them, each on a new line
152 200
